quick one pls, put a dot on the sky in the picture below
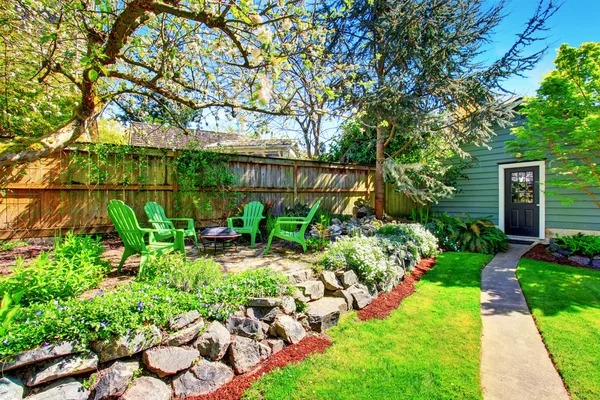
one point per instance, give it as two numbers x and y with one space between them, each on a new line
577 21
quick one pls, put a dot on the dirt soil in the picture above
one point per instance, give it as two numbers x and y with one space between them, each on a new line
539 253
385 303
234 389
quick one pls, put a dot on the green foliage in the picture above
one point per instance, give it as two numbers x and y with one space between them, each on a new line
476 235
8 310
421 214
134 306
563 123
270 224
585 245
317 244
75 265
186 275
7 245
297 210
111 131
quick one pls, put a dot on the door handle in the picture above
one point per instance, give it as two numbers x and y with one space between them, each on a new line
537 205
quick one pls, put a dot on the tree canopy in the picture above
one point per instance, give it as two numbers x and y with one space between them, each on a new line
563 122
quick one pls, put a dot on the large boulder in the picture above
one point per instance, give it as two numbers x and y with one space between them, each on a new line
312 290
288 304
245 353
115 379
203 378
344 294
330 281
289 329
299 276
213 343
360 296
276 345
11 388
580 260
181 321
164 361
265 314
325 313
65 389
127 345
147 388
40 354
348 278
248 327
74 364
185 335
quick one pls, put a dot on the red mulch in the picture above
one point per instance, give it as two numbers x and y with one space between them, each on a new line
234 389
539 253
385 303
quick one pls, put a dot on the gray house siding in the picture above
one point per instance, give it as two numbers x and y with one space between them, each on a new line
479 194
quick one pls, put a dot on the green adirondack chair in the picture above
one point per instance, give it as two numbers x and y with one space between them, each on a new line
132 235
158 219
252 217
286 228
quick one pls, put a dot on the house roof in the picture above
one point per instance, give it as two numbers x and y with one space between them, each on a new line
148 135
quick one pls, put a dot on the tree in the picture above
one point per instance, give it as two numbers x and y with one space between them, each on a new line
179 55
419 73
563 121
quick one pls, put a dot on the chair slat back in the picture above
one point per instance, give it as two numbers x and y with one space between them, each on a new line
309 218
126 224
155 212
252 211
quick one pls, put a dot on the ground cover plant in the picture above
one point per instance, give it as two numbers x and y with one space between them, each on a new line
427 349
150 300
75 265
585 245
565 302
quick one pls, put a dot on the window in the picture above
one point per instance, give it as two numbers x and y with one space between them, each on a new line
521 187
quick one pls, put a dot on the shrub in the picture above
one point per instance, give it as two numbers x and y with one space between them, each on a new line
75 265
7 245
297 210
585 245
477 235
186 275
419 240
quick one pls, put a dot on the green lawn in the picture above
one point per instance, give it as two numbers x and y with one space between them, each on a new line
566 305
427 349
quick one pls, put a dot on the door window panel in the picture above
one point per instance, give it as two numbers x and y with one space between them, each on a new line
521 187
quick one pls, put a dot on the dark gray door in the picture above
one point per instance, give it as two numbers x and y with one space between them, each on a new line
521 201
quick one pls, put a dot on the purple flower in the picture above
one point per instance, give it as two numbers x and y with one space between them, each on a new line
5 342
155 297
103 324
140 305
38 312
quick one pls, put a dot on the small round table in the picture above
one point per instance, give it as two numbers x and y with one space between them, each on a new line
219 233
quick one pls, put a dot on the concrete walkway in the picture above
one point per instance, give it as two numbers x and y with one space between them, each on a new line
514 361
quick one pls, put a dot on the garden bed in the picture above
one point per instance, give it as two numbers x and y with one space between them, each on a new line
540 252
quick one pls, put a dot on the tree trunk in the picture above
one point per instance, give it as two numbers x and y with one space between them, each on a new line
379 183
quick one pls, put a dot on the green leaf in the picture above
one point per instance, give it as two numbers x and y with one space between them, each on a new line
93 75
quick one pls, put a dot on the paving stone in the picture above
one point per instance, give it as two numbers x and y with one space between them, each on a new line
213 343
164 361
185 335
128 345
63 367
115 379
289 329
203 378
313 290
330 281
183 320
65 389
245 353
147 388
325 313
40 354
11 388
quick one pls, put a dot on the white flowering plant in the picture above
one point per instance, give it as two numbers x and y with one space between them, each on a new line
418 240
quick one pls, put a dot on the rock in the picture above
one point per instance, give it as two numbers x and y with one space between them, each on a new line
360 296
147 388
65 389
213 343
11 388
300 297
580 260
203 378
595 264
40 354
127 345
115 379
183 320
289 329
245 353
344 294
288 304
164 361
248 327
325 313
335 221
335 230
185 335
264 302
363 211
63 367
300 276
330 281
313 290
266 314
276 345
348 278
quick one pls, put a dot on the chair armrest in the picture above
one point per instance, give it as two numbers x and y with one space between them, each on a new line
230 221
190 221
290 218
163 222
291 222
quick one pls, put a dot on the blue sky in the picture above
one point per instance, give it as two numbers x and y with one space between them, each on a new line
576 22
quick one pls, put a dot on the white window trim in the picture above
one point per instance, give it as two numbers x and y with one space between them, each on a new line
542 183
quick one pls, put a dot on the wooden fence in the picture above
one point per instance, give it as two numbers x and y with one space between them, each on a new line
56 194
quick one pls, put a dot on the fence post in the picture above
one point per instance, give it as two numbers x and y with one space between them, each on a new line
295 181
